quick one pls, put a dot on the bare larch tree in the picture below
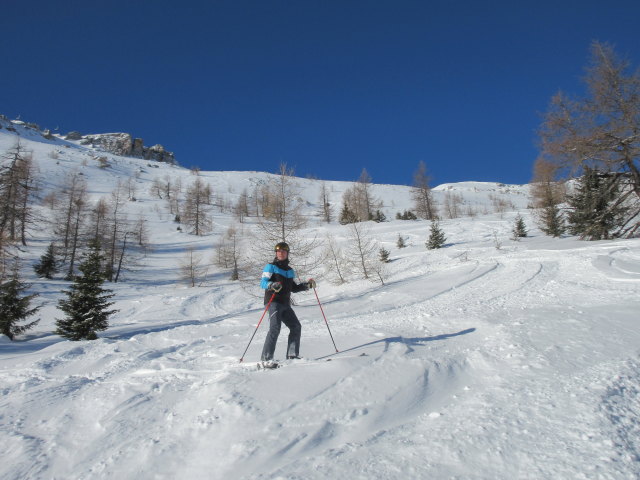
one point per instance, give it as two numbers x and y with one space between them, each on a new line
601 130
421 194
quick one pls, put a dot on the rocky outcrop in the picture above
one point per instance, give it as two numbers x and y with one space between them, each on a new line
116 143
121 144
138 148
124 145
73 136
158 153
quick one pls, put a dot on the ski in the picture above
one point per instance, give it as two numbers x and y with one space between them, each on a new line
304 362
272 366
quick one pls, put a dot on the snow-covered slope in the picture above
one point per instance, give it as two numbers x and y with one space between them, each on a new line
471 362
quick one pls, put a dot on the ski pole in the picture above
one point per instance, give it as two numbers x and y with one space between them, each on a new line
258 326
325 320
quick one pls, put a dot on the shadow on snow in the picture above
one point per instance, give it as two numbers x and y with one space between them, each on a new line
408 342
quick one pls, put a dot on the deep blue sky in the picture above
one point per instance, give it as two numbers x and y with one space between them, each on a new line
328 87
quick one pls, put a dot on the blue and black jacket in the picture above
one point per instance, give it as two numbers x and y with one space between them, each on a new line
280 271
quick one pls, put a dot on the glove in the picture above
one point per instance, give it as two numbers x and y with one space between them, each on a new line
311 283
275 286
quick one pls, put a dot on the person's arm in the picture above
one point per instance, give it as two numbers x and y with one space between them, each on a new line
304 286
266 277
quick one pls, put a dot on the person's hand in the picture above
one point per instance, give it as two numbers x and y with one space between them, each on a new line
312 283
275 286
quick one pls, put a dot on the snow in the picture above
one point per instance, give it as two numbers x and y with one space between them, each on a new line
471 362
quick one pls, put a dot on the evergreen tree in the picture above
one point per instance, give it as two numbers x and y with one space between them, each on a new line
379 217
594 211
436 237
87 302
14 307
48 265
547 194
401 243
384 255
551 220
519 228
347 216
406 215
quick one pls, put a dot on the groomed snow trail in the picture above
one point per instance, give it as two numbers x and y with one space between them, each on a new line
521 363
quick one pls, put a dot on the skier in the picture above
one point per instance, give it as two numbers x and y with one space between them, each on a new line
277 281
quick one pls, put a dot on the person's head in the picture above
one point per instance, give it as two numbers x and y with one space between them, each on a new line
282 251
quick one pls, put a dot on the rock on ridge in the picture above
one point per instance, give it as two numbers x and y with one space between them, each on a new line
117 143
124 145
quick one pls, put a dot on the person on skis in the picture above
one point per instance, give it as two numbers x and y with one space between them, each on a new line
278 282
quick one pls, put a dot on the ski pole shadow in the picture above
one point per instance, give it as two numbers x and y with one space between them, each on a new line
408 342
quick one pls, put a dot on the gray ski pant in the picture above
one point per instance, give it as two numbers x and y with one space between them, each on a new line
279 314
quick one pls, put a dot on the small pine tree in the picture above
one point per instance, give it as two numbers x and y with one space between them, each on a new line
347 216
519 228
47 266
87 302
14 307
436 237
383 255
401 242
406 215
551 220
379 217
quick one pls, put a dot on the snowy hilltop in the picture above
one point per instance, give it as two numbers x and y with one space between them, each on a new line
489 358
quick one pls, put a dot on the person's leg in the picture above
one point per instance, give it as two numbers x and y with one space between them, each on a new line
274 330
290 319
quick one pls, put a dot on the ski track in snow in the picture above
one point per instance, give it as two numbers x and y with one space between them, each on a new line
479 363
307 422
465 338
